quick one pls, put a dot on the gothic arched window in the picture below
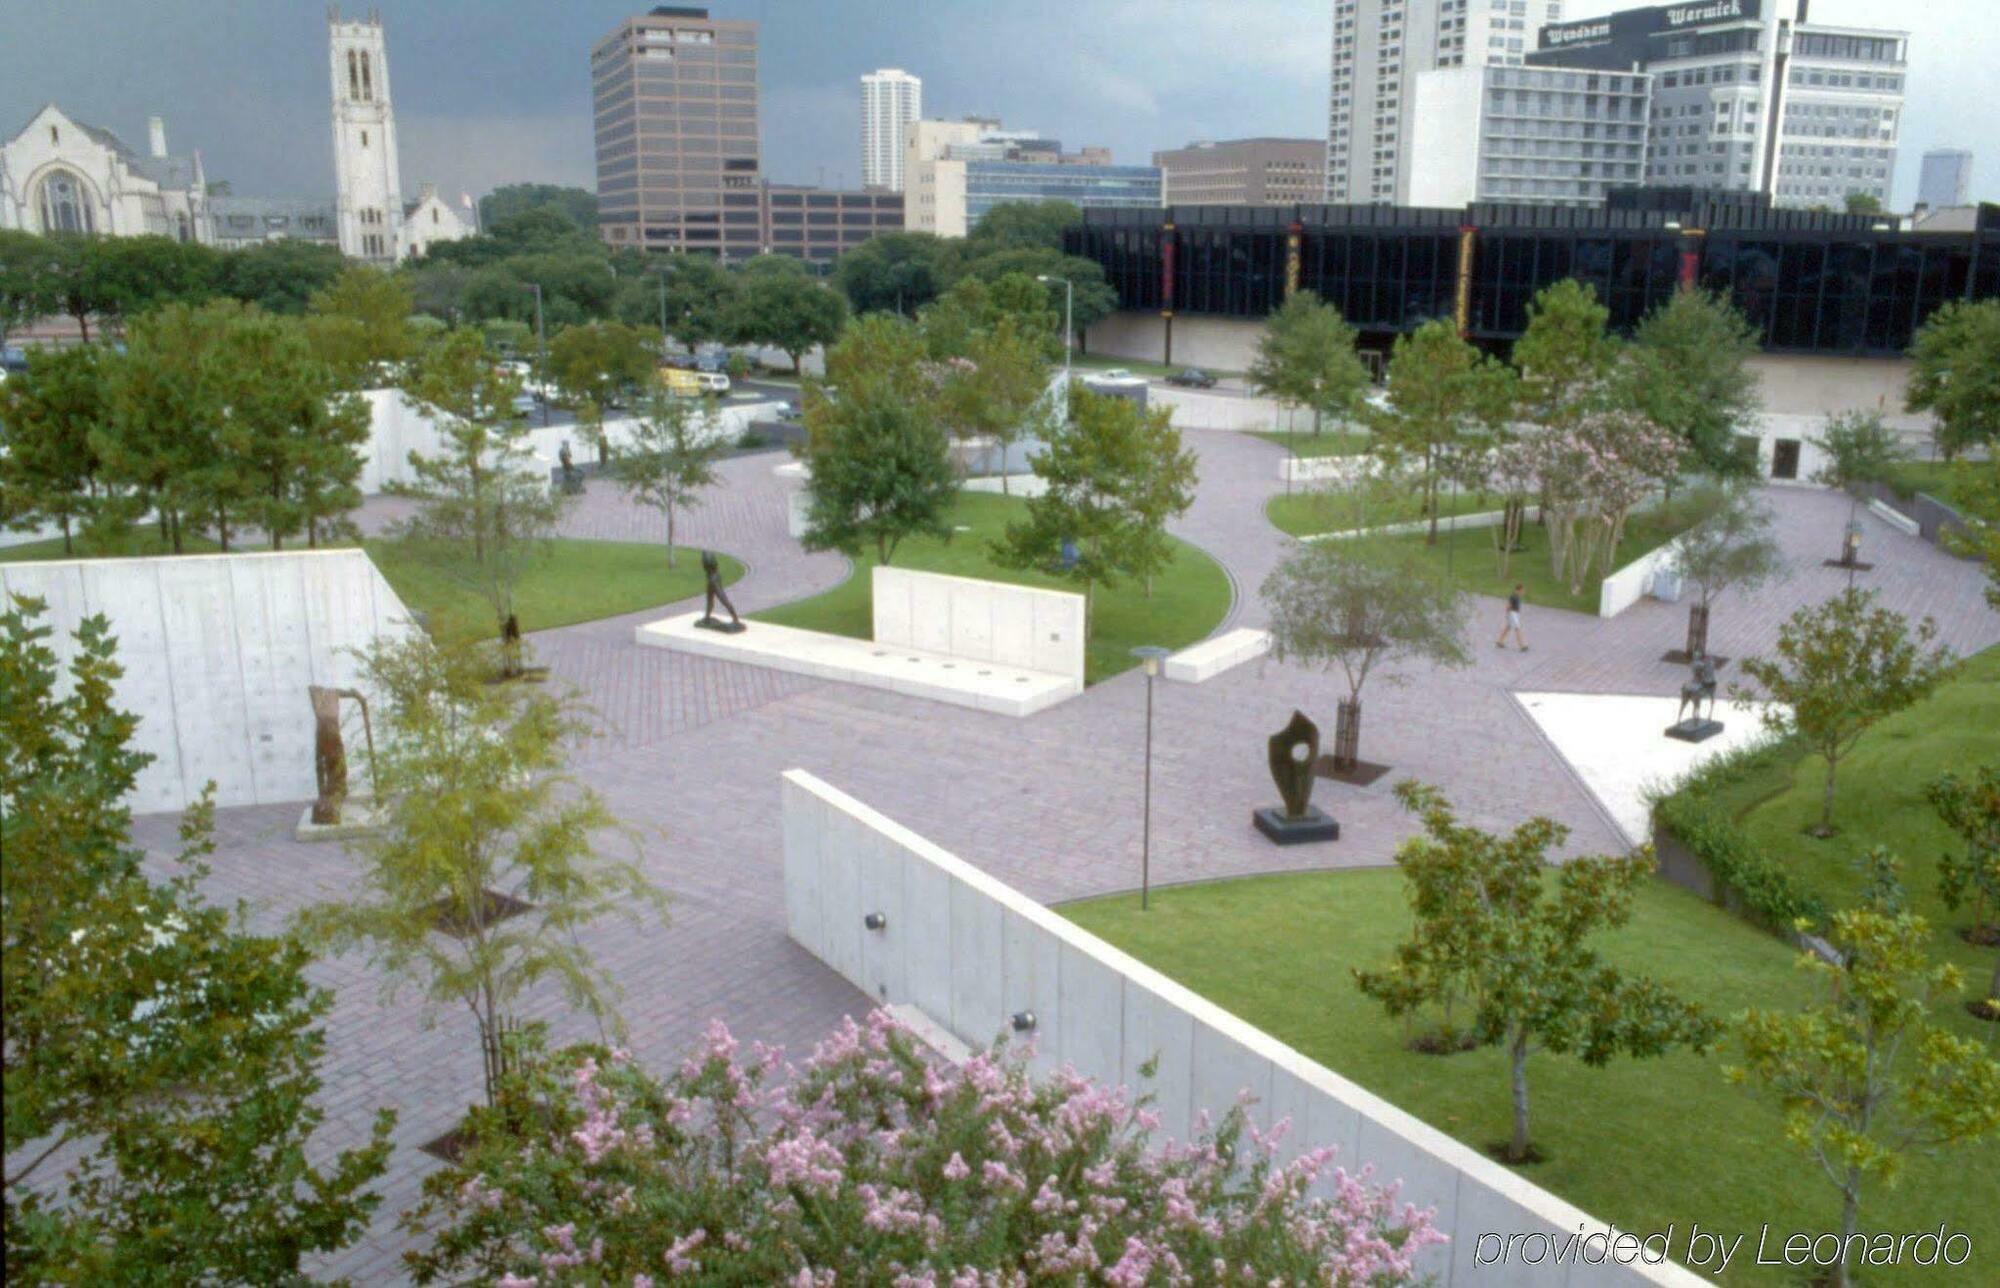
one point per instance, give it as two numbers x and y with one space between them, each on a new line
66 204
353 76
367 81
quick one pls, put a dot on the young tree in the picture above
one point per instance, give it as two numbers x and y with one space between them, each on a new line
1518 950
1731 547
1839 667
48 413
1860 450
1843 1072
1565 356
1972 876
671 457
1687 371
167 407
379 303
997 390
164 1059
881 471
592 364
486 511
1441 391
1955 374
1306 357
1360 604
791 312
478 813
1160 492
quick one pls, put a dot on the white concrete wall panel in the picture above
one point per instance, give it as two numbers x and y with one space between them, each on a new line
972 951
209 712
983 621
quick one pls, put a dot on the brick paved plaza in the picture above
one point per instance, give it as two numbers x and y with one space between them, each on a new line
692 750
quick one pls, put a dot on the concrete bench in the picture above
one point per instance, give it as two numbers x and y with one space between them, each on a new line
1212 657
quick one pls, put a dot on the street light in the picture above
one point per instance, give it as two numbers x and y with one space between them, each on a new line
541 355
1069 331
1150 655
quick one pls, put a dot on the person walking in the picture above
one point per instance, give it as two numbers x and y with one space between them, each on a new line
1513 622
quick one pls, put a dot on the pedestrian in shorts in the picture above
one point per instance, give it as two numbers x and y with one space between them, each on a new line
1513 625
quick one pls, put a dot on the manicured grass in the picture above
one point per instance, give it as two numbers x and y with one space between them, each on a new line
141 542
1328 442
1315 510
1189 598
1473 563
1971 487
576 581
1641 1143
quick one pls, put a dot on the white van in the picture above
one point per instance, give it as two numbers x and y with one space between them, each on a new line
712 382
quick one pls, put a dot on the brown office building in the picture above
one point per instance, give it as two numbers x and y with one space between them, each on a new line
1244 172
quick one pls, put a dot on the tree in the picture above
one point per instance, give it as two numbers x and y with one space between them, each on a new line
699 296
1441 392
48 413
1160 491
1863 203
996 390
1361 604
1839 667
592 364
478 814
78 278
1024 225
379 302
510 199
1687 370
1842 1069
160 447
788 311
894 273
1306 357
1972 876
1592 473
881 469
279 276
1860 450
670 458
1955 374
1731 547
1488 925
1564 355
162 1056
27 279
1092 299
485 510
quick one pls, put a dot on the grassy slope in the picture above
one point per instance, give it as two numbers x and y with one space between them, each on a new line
142 542
1476 568
1966 485
1189 598
1641 1143
1311 511
1329 442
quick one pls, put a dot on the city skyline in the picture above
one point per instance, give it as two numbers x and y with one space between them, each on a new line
1133 76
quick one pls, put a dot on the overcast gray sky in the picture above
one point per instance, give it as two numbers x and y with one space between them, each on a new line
497 91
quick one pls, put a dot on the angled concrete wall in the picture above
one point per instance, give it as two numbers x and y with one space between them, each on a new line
218 651
982 621
970 951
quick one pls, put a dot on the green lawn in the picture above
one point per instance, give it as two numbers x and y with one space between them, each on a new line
1641 1143
1329 442
1473 564
1189 598
1315 510
1972 487
577 581
141 542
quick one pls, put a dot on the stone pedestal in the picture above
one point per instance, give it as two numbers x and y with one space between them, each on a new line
717 624
1314 825
357 819
1692 730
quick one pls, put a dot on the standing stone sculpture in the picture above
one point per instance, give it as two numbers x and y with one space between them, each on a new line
1689 724
1293 751
712 568
329 756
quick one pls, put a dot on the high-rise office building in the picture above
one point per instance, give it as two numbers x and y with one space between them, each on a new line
1379 48
959 170
675 93
1551 136
1945 179
890 100
1243 172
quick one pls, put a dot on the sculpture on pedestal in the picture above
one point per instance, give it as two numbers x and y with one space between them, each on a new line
1292 752
712 568
1689 723
330 751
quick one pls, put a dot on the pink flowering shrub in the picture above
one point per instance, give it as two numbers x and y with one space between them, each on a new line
871 1164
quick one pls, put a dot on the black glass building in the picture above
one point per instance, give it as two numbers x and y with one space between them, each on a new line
1811 282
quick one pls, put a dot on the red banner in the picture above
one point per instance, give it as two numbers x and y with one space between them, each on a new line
1166 270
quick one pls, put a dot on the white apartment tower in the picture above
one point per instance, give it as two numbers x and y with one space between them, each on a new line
1379 49
367 181
1945 178
890 100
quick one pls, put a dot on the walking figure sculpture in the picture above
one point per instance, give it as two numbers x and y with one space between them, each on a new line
712 567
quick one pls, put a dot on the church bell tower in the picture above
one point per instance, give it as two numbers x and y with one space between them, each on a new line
366 173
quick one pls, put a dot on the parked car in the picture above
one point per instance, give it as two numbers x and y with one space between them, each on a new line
712 382
711 362
13 358
1192 378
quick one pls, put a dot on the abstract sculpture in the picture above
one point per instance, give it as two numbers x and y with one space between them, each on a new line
330 751
712 567
1293 751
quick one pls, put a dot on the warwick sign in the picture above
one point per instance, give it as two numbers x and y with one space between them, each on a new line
1715 11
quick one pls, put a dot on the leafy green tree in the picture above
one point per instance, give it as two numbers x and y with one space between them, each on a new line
1972 875
1159 492
1488 924
79 278
279 276
1867 1077
1565 357
1094 299
1955 374
510 199
163 1058
1687 370
1362 604
28 279
1860 450
161 449
48 414
700 296
895 272
485 510
670 458
1839 667
593 364
141 273
1444 396
973 305
379 303
788 311
996 389
1024 225
475 801
1863 203
1306 357
1730 547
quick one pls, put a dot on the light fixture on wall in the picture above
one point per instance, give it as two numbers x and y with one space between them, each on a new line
1023 1021
875 921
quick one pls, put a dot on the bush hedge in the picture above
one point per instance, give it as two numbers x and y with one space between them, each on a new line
1697 814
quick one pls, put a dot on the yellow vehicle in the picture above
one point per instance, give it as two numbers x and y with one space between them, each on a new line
681 382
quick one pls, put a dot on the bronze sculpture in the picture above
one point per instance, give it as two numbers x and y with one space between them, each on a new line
1293 751
712 568
1701 685
330 751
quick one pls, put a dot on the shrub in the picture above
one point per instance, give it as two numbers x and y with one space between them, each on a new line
1699 819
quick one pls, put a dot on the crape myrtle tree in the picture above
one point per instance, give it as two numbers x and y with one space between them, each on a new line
1360 605
1867 1077
671 456
1730 548
161 1063
1501 927
592 364
1444 396
476 808
1955 374
1593 472
1687 371
1839 667
871 1162
1970 876
1306 357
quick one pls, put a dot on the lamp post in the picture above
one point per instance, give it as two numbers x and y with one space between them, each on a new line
541 355
1151 656
1069 330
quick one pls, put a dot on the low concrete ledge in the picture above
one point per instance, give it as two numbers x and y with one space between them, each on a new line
1895 518
983 686
1212 657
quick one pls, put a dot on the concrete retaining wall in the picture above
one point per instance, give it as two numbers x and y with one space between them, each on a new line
1200 409
1630 584
969 951
985 621
218 651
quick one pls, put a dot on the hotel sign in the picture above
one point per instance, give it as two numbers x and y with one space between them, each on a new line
1682 15
1576 33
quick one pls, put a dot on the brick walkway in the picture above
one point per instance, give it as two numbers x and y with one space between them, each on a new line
693 751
